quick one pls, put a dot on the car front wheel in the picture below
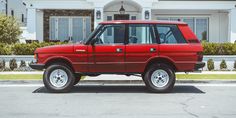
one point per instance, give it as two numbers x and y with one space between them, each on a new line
159 78
58 78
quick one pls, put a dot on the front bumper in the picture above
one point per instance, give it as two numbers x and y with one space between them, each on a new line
199 65
37 66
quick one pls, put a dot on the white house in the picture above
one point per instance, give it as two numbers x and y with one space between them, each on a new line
211 20
15 8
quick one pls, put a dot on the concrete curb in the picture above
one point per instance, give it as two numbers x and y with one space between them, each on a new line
2 82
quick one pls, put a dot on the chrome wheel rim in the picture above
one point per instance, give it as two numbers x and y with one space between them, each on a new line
58 78
160 78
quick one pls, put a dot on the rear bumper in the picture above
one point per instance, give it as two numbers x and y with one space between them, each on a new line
199 65
37 66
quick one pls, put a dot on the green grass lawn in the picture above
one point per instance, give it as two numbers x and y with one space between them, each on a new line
206 76
179 76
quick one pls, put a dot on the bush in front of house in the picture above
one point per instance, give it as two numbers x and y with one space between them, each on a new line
23 49
5 49
22 63
9 29
28 49
223 65
219 48
2 65
210 64
13 64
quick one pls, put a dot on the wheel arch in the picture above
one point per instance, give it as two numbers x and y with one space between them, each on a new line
62 60
161 60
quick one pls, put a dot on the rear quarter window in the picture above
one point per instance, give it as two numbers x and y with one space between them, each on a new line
170 34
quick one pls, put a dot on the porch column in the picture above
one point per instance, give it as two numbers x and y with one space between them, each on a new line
31 23
146 11
232 25
96 19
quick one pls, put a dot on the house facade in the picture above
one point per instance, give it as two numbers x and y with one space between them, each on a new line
14 8
211 20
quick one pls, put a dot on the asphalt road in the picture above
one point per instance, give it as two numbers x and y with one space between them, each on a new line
119 101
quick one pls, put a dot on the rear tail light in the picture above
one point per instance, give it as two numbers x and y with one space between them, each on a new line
199 56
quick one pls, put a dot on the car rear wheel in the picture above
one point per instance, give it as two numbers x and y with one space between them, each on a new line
159 78
58 78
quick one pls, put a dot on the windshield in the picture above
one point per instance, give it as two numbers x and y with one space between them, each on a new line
91 34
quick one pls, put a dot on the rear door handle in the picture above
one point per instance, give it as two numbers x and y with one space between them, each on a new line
118 50
153 50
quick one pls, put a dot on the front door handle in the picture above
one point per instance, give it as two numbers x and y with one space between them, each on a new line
153 50
118 50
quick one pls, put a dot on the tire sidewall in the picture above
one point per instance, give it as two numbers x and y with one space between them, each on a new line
168 87
66 87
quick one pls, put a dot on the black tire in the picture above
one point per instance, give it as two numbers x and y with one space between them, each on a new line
169 84
77 79
50 87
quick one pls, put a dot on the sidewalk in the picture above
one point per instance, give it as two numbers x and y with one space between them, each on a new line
117 79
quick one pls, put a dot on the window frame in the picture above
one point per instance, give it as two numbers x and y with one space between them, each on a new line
101 30
175 31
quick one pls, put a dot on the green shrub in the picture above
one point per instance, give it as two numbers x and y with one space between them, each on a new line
13 64
5 49
22 63
9 29
223 65
210 64
219 48
28 49
2 65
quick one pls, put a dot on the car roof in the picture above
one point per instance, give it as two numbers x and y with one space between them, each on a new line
142 22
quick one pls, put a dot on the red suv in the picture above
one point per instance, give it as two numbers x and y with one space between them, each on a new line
154 49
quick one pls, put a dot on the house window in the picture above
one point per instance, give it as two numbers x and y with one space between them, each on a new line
109 30
12 13
22 18
202 28
199 25
133 30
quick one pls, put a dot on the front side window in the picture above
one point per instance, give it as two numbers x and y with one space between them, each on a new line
117 37
141 34
170 34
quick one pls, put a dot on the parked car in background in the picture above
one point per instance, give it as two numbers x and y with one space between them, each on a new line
154 49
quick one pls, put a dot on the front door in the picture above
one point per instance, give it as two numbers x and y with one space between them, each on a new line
107 54
65 28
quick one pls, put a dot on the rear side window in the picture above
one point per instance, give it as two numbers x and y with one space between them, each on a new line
170 34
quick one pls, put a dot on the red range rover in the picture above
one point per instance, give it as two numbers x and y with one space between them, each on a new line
154 49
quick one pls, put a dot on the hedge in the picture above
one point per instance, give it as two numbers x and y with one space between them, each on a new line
23 49
219 48
28 49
